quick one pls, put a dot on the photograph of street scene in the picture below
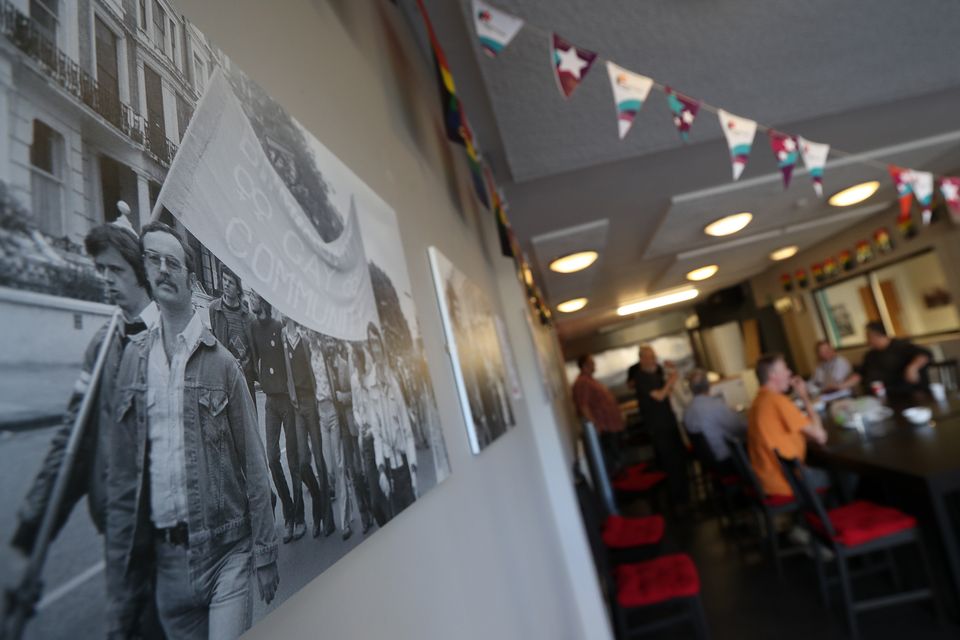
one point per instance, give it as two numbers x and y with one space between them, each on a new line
478 352
214 383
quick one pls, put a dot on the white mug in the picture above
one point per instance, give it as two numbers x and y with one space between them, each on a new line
938 391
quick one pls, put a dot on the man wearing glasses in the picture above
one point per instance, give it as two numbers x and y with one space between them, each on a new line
188 495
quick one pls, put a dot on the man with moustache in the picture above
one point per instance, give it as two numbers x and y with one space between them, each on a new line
188 495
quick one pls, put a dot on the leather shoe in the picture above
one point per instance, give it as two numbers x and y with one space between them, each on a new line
288 532
317 528
347 532
327 531
299 529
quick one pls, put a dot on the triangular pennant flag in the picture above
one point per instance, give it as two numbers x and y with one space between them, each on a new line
570 64
495 28
739 132
950 188
684 110
904 191
630 90
814 156
785 150
921 183
475 162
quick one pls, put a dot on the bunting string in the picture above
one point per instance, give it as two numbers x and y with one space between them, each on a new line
788 148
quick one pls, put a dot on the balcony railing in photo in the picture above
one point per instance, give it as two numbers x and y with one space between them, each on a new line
35 41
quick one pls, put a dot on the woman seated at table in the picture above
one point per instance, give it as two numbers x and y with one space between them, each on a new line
776 424
834 373
899 364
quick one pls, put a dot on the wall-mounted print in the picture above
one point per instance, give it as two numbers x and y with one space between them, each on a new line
477 351
212 377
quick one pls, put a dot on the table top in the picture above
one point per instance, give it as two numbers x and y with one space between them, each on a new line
929 451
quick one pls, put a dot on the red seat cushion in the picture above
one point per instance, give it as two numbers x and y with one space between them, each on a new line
657 580
778 500
639 481
862 521
632 470
624 533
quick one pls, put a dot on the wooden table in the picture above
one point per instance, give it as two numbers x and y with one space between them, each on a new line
899 450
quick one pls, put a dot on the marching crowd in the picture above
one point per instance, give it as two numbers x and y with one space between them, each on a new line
171 456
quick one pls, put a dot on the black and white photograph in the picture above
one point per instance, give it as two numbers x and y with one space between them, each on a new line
214 383
478 352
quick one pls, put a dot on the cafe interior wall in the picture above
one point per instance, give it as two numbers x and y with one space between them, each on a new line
498 550
801 320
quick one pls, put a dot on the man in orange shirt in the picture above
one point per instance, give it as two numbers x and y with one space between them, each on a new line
775 423
596 403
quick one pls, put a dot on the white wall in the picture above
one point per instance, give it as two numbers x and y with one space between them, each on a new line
497 550
54 336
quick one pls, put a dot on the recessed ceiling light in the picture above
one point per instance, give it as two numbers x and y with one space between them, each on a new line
703 273
784 252
855 194
574 262
657 301
728 225
572 305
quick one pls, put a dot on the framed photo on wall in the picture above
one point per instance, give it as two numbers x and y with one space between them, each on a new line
477 351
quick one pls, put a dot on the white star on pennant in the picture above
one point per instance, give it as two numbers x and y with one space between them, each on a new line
687 116
950 190
571 62
788 144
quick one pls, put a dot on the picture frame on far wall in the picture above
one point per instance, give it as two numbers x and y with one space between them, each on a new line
479 353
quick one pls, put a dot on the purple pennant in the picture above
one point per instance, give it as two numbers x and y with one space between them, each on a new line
684 110
570 64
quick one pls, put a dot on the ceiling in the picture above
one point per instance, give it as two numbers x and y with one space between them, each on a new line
876 78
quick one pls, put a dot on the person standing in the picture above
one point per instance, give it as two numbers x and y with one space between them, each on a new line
302 384
595 402
188 496
116 257
834 372
398 451
269 365
899 364
326 407
653 387
230 323
349 462
367 417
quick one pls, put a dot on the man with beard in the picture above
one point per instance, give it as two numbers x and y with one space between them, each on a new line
188 495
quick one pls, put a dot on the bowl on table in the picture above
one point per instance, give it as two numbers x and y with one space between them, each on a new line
918 415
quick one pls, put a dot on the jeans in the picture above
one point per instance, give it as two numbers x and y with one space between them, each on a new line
350 469
279 413
401 487
309 437
379 503
205 596
330 433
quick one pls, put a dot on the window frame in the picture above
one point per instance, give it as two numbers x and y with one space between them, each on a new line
873 283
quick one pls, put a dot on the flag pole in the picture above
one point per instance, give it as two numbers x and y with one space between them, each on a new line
19 602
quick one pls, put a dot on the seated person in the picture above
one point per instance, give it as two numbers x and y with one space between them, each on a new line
775 423
899 364
711 416
834 372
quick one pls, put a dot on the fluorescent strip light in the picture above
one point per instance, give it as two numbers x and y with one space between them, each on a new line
656 302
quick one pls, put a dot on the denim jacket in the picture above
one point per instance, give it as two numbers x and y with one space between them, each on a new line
228 493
